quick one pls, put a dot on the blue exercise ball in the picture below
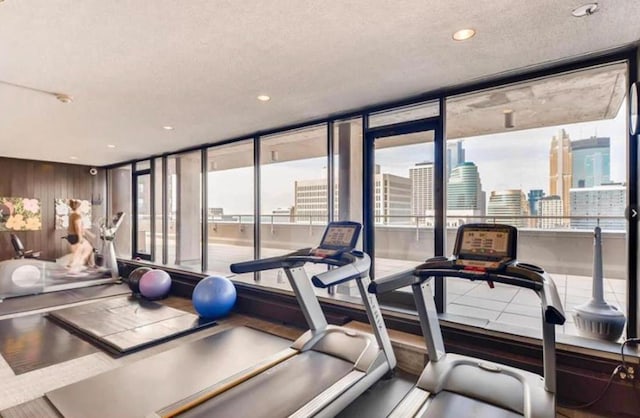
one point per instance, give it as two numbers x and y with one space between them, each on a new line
155 284
214 296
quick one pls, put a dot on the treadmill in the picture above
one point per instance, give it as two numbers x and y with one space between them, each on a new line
453 385
327 367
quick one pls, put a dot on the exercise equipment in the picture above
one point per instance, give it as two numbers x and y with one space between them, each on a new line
18 280
453 385
317 375
155 284
108 235
134 279
19 249
214 296
596 318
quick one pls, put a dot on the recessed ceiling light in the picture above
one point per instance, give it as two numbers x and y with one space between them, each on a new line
168 128
464 34
111 146
64 98
264 98
73 157
585 10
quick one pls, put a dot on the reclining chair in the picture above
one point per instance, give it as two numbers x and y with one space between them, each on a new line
20 251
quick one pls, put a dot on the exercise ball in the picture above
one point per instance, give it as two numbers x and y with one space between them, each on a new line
155 284
134 278
214 296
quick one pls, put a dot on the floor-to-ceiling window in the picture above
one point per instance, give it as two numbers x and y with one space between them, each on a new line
119 183
547 156
184 210
158 209
143 206
293 191
230 205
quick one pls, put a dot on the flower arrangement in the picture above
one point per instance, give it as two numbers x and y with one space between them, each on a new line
20 214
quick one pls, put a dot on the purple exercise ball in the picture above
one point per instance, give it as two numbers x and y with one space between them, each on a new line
155 284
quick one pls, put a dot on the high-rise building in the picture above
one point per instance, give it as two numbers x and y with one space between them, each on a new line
465 198
455 156
509 207
311 200
421 176
549 209
590 162
605 200
560 169
534 196
392 199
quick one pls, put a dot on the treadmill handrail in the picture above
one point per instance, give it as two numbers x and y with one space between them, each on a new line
357 268
295 259
521 275
270 263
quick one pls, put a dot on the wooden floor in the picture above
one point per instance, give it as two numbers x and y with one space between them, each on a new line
21 396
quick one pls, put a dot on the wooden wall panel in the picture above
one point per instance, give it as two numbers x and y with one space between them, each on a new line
48 181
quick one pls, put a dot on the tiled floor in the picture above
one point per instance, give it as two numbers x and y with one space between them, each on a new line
520 307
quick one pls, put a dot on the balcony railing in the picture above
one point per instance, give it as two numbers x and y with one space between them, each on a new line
561 249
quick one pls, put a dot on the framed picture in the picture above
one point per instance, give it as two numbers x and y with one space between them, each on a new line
20 214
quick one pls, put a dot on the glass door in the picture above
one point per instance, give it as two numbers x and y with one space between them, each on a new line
403 201
142 222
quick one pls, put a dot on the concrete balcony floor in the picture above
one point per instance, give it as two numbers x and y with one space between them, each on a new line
504 308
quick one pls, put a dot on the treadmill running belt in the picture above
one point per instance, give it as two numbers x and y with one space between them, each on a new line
278 392
449 404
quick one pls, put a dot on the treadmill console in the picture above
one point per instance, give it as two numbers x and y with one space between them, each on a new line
338 238
485 246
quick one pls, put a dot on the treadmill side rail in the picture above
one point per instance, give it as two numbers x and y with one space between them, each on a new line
411 403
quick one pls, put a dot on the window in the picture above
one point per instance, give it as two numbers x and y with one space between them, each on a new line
184 207
291 162
158 175
230 206
120 201
547 156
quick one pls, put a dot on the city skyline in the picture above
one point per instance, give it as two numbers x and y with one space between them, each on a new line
523 154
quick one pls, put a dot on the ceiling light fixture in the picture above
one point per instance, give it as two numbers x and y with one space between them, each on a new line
62 97
264 98
167 128
585 10
111 146
464 34
73 157
508 119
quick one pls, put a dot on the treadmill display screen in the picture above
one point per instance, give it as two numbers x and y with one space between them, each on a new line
339 236
492 243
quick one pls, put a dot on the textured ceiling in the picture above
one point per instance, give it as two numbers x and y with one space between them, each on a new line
135 66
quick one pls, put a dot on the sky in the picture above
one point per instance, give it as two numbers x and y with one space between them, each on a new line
510 160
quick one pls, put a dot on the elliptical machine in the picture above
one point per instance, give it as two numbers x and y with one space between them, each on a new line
453 385
108 251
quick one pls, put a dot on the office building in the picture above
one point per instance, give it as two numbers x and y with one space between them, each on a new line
599 205
509 207
590 162
549 209
455 155
465 197
560 179
421 176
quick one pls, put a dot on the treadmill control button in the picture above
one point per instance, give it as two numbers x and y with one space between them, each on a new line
490 367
